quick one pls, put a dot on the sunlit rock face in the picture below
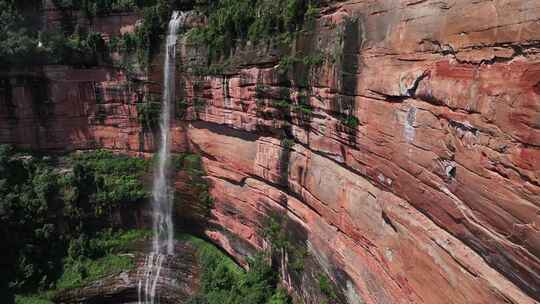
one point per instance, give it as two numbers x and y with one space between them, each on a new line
432 198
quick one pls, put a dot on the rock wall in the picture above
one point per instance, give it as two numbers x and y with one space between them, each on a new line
433 197
63 108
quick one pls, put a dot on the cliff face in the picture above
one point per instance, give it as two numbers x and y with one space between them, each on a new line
64 108
431 197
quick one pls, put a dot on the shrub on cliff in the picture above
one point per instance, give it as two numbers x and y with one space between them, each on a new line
145 41
349 121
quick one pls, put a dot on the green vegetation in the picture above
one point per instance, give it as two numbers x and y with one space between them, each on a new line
302 107
281 239
327 289
231 22
299 68
144 42
286 143
96 7
292 253
79 47
43 209
288 62
148 114
282 104
223 282
182 106
78 272
192 165
199 105
285 105
261 90
350 121
212 69
16 42
261 94
31 299
22 42
116 179
89 260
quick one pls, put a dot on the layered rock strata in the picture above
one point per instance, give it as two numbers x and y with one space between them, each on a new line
431 197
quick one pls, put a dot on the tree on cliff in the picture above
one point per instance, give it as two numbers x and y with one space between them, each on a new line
16 43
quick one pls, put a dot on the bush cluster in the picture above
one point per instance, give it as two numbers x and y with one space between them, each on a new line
233 21
43 208
17 43
327 289
350 121
21 43
223 282
144 42
24 43
278 234
89 259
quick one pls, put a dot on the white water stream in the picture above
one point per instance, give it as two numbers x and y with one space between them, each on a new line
162 193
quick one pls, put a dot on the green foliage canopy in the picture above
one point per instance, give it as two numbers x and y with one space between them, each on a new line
223 282
234 21
43 208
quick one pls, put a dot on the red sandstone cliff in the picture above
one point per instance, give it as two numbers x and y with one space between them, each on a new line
433 198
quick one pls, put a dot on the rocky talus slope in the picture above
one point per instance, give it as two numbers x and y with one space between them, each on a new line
433 196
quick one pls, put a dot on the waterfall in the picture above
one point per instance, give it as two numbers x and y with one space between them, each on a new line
162 196
162 193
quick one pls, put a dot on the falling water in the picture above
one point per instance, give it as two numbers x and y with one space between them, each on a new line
162 196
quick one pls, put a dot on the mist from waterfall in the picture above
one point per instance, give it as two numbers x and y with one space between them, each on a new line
162 193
